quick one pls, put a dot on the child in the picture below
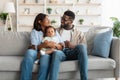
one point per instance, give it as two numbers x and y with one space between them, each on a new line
50 36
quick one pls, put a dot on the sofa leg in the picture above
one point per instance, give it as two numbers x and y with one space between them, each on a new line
117 78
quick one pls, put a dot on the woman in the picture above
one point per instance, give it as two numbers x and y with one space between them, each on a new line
40 23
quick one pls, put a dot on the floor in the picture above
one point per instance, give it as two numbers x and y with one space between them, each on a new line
101 79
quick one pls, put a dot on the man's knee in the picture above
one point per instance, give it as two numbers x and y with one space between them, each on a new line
58 54
81 47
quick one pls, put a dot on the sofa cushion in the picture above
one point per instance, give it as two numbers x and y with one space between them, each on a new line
90 35
12 63
13 43
101 44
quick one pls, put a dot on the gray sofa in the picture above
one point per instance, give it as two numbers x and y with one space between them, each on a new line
14 44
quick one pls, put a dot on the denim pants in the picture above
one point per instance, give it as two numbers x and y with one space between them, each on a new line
78 53
44 68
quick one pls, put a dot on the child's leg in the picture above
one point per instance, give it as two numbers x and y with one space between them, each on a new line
49 51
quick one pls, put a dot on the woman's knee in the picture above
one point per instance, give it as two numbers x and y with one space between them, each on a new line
31 52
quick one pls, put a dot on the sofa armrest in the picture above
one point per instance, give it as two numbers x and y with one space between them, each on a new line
115 54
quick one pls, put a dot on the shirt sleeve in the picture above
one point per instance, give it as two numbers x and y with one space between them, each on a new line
82 39
33 38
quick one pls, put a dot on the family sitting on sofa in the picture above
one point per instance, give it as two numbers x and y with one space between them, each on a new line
71 47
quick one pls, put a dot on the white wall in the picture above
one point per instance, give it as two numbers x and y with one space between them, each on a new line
110 9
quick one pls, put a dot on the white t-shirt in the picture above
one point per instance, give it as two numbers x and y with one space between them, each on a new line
54 39
66 35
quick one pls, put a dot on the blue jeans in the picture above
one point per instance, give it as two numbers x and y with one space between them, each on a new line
78 53
28 62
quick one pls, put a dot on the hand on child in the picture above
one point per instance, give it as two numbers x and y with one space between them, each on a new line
68 44
51 44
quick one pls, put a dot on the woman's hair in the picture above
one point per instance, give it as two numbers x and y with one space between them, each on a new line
47 29
37 25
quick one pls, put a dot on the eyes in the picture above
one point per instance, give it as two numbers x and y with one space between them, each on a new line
50 31
65 19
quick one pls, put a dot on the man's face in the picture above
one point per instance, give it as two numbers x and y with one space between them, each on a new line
66 21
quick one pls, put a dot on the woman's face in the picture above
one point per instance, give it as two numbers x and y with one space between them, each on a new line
45 22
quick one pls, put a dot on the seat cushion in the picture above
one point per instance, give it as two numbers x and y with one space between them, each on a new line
12 63
94 63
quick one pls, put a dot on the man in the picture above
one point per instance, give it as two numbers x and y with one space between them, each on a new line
75 47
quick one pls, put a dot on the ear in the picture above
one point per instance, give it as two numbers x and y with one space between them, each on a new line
39 21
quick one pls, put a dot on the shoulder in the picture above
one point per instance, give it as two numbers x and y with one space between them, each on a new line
36 32
77 31
58 29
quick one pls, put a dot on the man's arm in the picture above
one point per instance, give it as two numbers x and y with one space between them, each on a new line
60 46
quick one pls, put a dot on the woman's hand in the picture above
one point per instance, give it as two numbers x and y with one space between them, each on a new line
50 44
31 47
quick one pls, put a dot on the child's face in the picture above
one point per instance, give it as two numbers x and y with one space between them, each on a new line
50 32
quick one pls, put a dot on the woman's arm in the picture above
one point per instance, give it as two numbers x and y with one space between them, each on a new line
36 38
48 44
33 40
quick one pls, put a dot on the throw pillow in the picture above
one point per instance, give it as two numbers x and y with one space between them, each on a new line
101 44
90 35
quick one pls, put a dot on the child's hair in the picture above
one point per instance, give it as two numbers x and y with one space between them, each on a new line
47 29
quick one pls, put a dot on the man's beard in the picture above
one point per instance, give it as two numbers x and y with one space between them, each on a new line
65 26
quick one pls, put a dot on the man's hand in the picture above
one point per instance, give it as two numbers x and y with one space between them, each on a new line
68 44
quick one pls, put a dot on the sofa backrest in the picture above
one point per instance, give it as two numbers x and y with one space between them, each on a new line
14 43
91 33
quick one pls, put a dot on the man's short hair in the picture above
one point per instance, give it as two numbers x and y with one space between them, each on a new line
70 14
